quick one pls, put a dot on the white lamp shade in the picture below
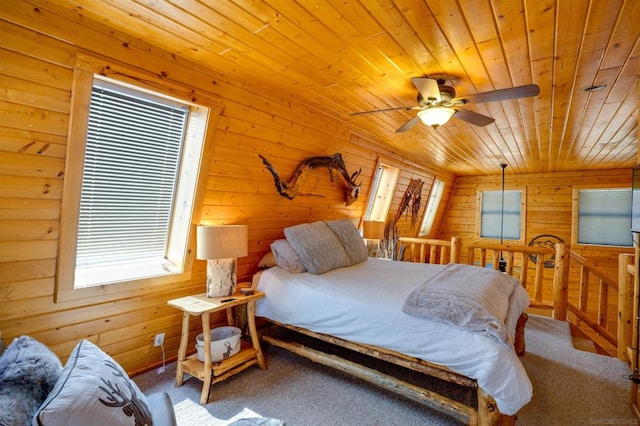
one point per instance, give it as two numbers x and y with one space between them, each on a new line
222 241
435 116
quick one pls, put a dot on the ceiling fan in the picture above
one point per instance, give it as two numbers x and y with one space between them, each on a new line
437 102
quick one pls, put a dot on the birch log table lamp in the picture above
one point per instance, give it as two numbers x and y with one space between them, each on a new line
220 246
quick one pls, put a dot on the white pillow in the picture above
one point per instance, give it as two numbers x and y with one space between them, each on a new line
286 257
93 390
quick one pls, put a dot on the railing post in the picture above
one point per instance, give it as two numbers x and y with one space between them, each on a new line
456 246
603 309
625 305
583 294
560 285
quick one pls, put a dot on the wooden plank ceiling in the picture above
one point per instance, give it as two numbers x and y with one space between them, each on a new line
344 56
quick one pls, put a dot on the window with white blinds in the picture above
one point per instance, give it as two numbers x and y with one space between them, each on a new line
384 183
498 220
435 196
132 158
604 217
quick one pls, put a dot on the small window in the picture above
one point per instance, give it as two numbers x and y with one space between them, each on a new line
604 217
492 213
432 207
384 183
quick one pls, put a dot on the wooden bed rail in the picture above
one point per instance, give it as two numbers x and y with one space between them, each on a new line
518 258
484 412
436 249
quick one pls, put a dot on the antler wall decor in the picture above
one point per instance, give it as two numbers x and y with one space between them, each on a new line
290 188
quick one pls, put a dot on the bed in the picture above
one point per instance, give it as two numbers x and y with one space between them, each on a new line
359 306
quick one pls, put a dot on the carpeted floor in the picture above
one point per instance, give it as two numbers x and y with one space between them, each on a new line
571 387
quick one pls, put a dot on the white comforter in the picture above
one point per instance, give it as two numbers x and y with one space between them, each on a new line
363 303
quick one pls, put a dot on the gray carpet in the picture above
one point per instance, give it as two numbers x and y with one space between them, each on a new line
571 387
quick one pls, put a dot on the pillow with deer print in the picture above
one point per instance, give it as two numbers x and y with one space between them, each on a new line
93 389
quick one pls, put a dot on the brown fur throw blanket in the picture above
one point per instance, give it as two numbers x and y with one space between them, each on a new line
28 372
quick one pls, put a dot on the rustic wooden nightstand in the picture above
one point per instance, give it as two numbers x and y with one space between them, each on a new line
213 372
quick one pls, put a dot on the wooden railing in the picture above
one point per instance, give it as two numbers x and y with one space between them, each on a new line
517 260
629 281
599 322
425 250
531 264
627 304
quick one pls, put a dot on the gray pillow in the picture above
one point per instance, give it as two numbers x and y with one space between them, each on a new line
28 372
286 257
350 238
318 247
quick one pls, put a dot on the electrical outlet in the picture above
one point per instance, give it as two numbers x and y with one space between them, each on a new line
159 340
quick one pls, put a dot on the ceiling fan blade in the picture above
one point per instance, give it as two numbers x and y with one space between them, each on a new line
472 117
428 88
381 110
501 95
409 124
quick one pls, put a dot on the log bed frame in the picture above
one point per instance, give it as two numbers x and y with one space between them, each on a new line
486 412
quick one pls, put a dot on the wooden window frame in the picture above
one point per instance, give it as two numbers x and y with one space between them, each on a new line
429 208
575 213
373 192
523 215
86 68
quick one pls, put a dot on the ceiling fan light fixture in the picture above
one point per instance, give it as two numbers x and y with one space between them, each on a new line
435 117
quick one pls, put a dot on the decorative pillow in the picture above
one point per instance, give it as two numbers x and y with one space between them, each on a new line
350 238
267 261
286 257
93 389
28 372
318 247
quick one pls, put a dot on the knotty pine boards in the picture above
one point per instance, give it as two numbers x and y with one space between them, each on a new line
35 77
38 50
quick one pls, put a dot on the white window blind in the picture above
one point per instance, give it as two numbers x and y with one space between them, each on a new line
604 217
382 188
132 156
432 207
491 215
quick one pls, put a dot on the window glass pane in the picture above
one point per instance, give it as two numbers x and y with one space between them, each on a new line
432 207
132 155
604 217
384 183
491 214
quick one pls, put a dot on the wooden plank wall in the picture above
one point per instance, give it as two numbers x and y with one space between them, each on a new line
548 211
37 50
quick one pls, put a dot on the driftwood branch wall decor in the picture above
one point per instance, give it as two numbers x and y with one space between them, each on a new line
412 198
334 163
